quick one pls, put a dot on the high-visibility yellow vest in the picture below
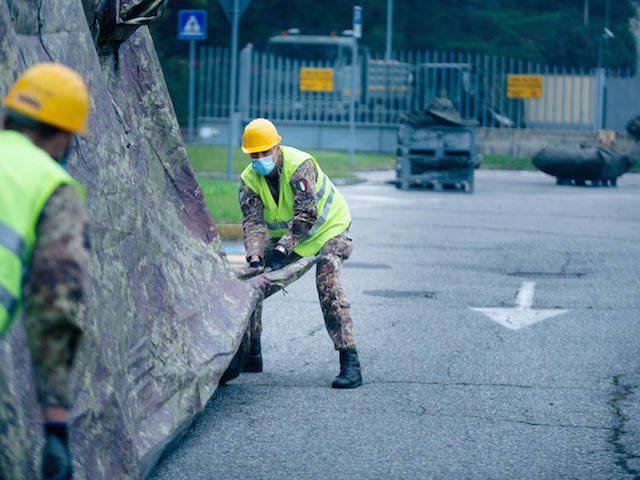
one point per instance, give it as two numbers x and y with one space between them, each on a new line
28 177
333 211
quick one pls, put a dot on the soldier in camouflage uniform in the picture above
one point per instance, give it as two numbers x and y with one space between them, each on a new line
290 209
47 105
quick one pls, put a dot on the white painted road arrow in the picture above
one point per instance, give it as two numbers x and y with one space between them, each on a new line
522 315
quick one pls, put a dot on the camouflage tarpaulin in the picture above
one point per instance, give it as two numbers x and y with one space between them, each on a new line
164 313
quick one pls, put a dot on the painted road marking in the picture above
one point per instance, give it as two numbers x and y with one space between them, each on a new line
522 315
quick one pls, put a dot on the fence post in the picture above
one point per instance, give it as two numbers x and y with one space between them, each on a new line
244 76
208 99
599 98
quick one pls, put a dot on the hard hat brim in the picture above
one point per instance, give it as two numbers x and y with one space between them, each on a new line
78 130
260 148
53 94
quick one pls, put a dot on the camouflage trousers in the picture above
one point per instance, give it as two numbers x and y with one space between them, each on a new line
335 308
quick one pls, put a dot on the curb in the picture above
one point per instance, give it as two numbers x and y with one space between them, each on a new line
230 231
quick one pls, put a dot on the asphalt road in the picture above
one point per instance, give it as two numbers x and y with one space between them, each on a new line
449 392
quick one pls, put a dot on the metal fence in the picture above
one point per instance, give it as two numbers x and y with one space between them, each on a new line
622 100
269 86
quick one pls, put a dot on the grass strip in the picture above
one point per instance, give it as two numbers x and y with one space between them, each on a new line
222 199
214 158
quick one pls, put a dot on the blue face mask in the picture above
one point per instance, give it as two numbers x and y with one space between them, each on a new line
263 165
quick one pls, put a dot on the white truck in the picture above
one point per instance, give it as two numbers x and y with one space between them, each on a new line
381 85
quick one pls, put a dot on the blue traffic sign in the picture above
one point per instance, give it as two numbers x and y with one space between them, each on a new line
227 7
192 25
357 21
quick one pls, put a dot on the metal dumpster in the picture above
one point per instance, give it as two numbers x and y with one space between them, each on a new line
436 150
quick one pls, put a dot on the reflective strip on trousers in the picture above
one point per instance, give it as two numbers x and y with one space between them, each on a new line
11 240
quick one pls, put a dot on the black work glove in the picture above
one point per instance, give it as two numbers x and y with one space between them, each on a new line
56 459
255 264
275 260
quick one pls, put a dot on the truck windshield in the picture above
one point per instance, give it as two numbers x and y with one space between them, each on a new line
316 52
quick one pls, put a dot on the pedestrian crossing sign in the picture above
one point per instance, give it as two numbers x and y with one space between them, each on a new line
192 25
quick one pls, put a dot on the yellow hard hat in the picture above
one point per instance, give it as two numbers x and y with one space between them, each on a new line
259 136
53 94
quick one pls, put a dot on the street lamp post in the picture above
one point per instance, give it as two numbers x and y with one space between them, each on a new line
387 55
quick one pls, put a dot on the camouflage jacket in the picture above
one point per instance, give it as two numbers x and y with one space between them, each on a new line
305 210
52 292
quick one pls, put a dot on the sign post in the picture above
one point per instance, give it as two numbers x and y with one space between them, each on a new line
387 52
192 26
233 9
357 33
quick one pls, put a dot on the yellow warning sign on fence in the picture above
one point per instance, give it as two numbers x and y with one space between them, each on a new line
316 79
524 86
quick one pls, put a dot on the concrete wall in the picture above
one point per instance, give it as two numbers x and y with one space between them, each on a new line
382 138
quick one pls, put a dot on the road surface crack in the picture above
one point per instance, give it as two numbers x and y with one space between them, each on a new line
621 398
475 384
512 420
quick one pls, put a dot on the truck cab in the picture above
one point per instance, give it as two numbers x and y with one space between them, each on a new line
378 82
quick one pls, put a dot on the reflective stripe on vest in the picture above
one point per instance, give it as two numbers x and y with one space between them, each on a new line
325 210
278 225
320 221
11 240
28 177
333 212
8 301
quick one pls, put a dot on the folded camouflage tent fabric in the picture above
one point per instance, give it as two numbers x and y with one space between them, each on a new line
164 313
440 111
443 110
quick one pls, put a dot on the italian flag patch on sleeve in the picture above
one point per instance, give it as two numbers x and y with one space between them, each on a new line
302 185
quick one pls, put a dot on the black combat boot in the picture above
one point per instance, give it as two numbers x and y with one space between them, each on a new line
350 375
254 361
